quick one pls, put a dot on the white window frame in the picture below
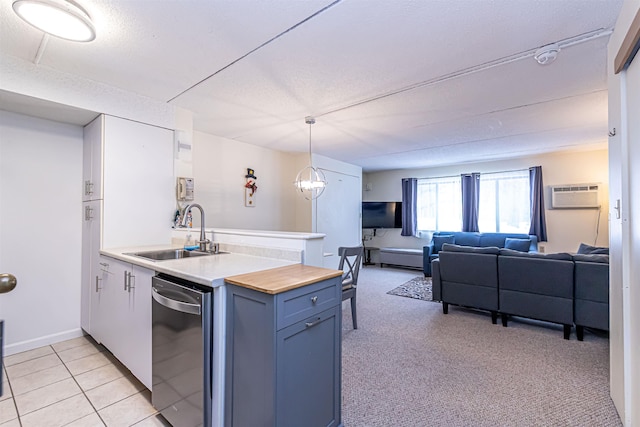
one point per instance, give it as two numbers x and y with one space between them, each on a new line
520 199
423 205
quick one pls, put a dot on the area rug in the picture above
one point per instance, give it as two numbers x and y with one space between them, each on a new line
418 288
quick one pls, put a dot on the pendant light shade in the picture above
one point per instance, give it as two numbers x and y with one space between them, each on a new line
60 18
310 181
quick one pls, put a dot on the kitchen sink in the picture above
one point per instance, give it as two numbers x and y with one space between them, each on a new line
167 254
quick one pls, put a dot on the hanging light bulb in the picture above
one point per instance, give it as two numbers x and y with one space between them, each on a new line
310 181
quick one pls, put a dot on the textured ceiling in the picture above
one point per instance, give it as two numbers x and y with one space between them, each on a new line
392 83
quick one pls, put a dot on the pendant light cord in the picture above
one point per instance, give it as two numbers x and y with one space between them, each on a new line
310 160
310 120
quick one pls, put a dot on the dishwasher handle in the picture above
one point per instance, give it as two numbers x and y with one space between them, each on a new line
183 307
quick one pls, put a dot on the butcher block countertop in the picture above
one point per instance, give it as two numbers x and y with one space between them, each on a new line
282 279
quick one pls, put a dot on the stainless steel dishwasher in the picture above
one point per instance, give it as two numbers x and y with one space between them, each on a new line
181 351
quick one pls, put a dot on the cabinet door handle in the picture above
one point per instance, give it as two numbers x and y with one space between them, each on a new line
314 299
97 283
126 274
130 286
314 323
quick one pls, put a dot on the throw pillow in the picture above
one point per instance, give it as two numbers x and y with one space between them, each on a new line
604 259
521 245
439 240
588 249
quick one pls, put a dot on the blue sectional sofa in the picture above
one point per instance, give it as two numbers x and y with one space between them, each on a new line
591 292
559 288
482 240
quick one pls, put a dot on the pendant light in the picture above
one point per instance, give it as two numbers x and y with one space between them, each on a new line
310 181
60 18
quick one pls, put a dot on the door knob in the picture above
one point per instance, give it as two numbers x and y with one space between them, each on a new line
7 282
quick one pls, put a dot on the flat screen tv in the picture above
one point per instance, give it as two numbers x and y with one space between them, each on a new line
381 214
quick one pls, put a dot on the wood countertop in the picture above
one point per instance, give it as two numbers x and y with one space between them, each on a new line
282 279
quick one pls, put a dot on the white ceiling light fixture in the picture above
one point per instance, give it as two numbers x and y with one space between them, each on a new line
547 54
61 18
310 181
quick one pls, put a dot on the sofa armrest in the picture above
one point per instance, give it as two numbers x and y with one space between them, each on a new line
436 283
426 259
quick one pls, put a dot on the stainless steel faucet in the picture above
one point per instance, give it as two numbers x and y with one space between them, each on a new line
203 242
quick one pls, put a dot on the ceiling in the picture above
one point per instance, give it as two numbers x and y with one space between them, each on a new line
392 83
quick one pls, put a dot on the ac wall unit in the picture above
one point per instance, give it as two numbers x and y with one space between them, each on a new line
574 196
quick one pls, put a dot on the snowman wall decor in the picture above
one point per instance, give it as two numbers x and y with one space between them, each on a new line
250 188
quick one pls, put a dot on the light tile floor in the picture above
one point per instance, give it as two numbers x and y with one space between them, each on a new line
73 383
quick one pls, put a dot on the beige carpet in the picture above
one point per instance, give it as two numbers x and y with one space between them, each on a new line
408 364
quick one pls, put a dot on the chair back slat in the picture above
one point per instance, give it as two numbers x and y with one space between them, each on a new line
350 261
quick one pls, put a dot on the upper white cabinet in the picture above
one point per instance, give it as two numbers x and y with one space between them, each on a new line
138 184
92 160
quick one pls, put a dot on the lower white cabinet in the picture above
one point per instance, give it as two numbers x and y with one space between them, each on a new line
121 314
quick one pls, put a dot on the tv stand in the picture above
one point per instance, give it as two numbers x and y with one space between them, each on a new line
367 255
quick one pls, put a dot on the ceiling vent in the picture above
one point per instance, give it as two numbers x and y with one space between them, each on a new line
574 196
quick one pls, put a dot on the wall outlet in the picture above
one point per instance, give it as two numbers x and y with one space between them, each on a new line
540 248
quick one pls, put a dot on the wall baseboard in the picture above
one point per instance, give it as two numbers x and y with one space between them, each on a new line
19 347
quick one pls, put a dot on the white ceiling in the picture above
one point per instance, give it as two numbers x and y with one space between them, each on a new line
392 83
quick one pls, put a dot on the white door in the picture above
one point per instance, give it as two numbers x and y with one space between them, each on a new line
631 285
624 297
616 165
338 214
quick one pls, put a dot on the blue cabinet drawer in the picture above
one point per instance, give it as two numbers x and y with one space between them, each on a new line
298 304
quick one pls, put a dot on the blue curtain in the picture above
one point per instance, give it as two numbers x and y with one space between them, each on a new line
536 193
470 201
409 213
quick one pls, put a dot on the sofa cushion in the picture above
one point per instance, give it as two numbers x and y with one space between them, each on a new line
467 239
557 256
603 259
447 247
521 245
588 249
438 241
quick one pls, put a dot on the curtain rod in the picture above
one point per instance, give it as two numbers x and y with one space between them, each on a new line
469 173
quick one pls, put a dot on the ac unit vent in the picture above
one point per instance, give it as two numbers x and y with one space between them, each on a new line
574 196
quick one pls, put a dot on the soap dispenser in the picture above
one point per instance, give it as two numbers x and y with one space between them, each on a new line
188 243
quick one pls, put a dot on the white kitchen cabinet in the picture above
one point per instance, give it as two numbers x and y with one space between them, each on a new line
128 191
99 299
138 184
92 160
122 315
91 231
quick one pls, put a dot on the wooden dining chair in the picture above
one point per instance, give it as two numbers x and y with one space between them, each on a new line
350 261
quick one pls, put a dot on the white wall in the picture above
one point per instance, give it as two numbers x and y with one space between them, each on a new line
219 169
337 212
566 229
40 229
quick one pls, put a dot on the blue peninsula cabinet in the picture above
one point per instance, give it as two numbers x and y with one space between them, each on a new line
284 348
